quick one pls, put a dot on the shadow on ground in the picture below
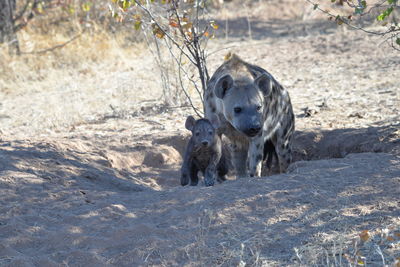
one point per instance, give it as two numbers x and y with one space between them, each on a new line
60 206
260 30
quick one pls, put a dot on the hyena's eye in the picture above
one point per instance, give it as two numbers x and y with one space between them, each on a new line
237 110
210 132
259 108
197 133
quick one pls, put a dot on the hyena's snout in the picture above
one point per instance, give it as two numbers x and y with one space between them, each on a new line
205 143
253 130
250 124
253 126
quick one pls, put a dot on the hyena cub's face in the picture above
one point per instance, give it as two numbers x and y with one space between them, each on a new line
203 131
244 102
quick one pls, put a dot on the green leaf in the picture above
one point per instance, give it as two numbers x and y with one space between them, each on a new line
333 1
384 14
86 6
398 41
339 20
392 1
137 25
358 10
364 4
126 4
315 6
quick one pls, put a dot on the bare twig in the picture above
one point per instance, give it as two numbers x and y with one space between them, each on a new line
28 17
184 35
178 61
54 47
22 12
248 21
164 73
348 23
185 92
161 29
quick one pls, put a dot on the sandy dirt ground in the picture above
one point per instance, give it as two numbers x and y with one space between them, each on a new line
89 163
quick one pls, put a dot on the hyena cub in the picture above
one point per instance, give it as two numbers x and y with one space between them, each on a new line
204 153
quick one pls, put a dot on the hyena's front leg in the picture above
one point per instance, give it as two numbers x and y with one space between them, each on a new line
185 174
256 150
239 160
210 173
187 165
194 178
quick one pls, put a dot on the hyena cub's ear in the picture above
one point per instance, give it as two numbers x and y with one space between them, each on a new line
189 124
265 84
223 85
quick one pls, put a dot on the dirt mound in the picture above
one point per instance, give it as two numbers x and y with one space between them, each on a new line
260 221
337 143
162 156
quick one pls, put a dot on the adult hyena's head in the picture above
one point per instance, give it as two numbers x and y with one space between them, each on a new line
244 102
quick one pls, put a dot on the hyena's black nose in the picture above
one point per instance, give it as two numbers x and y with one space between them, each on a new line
253 131
205 143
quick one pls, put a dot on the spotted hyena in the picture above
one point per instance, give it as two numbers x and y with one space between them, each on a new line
255 114
204 152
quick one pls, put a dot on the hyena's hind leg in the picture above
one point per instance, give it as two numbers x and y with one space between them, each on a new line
222 170
283 150
269 156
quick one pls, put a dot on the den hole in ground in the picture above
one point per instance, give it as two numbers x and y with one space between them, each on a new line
159 162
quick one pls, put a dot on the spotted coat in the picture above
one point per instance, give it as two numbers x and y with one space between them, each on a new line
255 114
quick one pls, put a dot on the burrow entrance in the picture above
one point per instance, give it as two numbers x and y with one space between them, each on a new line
157 164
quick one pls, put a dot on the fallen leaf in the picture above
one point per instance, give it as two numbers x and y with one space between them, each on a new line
364 235
390 238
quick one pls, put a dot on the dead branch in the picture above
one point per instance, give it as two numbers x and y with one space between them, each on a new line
54 47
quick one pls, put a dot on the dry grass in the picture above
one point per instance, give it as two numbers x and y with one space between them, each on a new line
74 73
379 247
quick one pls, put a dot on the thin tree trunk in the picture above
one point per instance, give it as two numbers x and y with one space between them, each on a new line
7 33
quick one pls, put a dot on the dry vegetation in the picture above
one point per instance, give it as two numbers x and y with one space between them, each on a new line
89 153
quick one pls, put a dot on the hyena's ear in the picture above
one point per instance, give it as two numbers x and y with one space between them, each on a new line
189 124
215 121
223 85
265 84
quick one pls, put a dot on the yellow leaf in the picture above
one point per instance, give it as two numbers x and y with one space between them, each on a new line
214 25
228 56
86 6
160 35
138 23
39 8
360 262
206 34
157 31
364 235
189 35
